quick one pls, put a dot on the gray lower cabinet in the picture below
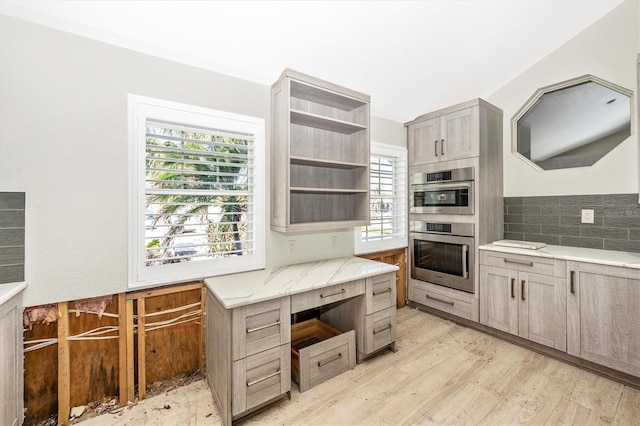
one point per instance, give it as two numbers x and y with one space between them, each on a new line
524 296
372 316
603 315
11 362
248 355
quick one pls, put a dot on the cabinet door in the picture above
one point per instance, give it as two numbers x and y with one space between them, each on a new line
460 135
542 309
498 298
11 413
603 306
424 141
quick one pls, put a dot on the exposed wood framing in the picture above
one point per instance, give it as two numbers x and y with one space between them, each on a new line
142 381
64 370
141 330
76 360
122 340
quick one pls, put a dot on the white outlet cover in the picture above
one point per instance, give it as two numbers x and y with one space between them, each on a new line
587 216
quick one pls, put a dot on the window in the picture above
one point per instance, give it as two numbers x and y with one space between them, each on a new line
388 195
197 195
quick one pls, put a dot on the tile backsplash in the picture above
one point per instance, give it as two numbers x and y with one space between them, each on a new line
11 237
557 220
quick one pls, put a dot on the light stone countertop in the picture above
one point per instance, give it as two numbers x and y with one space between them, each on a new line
7 291
252 287
577 254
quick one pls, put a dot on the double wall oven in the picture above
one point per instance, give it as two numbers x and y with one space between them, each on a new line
442 251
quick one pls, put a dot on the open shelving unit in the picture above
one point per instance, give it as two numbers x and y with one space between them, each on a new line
319 155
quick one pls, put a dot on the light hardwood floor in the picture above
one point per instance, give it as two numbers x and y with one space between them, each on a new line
443 373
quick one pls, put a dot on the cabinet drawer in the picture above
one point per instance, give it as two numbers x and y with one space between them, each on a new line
260 326
535 264
380 292
260 378
379 331
326 295
327 358
457 307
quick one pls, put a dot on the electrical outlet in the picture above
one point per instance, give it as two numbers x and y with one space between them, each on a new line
292 246
334 241
587 215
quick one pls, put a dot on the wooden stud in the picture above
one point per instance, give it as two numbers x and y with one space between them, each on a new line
203 300
163 291
122 340
142 382
130 353
64 373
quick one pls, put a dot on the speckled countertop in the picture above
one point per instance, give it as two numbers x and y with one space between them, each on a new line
578 254
251 287
7 291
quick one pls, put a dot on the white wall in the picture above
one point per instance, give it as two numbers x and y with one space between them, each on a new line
608 49
63 141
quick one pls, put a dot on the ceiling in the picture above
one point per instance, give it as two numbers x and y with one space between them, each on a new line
411 56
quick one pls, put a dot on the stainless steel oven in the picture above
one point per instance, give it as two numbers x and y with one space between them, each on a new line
443 254
444 192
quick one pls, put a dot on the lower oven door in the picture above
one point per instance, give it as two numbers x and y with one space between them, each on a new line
443 259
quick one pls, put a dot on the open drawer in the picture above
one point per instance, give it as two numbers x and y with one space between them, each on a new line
320 352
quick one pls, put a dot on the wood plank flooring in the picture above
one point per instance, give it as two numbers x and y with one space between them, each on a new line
443 373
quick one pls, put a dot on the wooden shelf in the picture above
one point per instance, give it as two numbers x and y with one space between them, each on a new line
317 162
308 190
322 96
325 123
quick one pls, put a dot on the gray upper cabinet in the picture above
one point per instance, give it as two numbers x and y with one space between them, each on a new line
448 134
319 155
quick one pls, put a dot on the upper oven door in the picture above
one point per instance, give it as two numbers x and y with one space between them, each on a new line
446 198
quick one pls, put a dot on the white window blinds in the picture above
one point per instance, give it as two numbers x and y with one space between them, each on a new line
201 196
387 226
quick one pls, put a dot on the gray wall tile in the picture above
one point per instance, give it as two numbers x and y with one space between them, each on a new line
11 255
622 245
557 220
596 243
12 200
11 274
11 237
11 218
12 210
620 199
509 201
612 233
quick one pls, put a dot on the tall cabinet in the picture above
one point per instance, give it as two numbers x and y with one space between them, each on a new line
11 356
460 136
319 155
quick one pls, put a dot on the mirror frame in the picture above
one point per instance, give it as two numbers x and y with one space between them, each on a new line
552 88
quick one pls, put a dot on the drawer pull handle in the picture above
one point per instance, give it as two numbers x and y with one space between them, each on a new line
262 327
522 290
518 262
439 300
329 360
572 287
382 292
255 382
333 294
387 327
513 281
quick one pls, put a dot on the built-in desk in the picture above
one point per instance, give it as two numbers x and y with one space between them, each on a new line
248 327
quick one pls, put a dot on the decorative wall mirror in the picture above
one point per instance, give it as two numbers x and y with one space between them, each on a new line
572 124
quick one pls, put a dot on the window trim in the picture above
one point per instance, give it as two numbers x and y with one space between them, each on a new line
364 247
140 108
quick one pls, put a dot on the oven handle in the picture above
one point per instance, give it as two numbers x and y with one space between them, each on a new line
465 260
437 186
